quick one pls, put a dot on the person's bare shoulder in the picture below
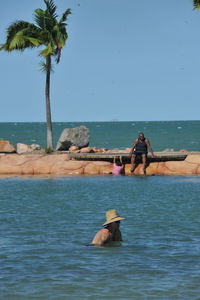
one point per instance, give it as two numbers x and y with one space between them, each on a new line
105 234
101 237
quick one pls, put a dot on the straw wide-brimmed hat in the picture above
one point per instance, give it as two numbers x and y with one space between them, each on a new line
112 216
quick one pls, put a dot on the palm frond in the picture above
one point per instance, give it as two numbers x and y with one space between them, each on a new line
17 34
35 42
46 37
39 18
43 67
196 4
49 50
18 42
51 8
32 30
65 15
16 27
44 20
59 34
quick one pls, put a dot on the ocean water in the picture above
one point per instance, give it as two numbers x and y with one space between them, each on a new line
163 135
46 224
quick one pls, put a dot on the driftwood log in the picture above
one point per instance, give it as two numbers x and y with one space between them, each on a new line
159 156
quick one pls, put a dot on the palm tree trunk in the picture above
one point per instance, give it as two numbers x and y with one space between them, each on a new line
48 106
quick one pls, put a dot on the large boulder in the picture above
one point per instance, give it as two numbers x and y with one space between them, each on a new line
6 147
78 136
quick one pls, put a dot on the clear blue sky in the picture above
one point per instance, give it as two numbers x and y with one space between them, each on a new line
126 60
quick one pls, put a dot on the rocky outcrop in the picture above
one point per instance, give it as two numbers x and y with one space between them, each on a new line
87 150
6 147
62 164
190 166
24 148
58 164
78 136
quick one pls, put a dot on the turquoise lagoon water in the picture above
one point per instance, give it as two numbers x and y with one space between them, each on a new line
163 135
47 222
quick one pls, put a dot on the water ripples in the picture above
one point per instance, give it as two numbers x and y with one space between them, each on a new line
47 223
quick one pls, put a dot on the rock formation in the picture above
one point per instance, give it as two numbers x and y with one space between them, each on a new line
6 147
24 148
78 136
62 164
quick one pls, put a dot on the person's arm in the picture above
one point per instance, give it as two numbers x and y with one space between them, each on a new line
135 143
105 237
149 147
122 171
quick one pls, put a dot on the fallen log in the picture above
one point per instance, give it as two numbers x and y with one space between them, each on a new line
159 156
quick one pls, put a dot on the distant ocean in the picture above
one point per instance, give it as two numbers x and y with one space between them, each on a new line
163 135
46 224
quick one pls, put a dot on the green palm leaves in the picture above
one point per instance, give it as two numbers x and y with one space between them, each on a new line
47 32
21 35
196 4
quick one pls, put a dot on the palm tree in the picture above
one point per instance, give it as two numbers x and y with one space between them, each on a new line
48 32
196 4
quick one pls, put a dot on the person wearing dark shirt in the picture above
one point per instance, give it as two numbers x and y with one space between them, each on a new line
140 149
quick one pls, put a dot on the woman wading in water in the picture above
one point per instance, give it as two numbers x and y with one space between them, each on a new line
110 232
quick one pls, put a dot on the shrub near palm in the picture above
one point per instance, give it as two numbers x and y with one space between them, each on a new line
47 32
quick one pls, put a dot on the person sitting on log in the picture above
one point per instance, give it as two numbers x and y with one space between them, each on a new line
140 149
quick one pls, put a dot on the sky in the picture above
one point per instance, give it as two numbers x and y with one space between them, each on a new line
125 60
